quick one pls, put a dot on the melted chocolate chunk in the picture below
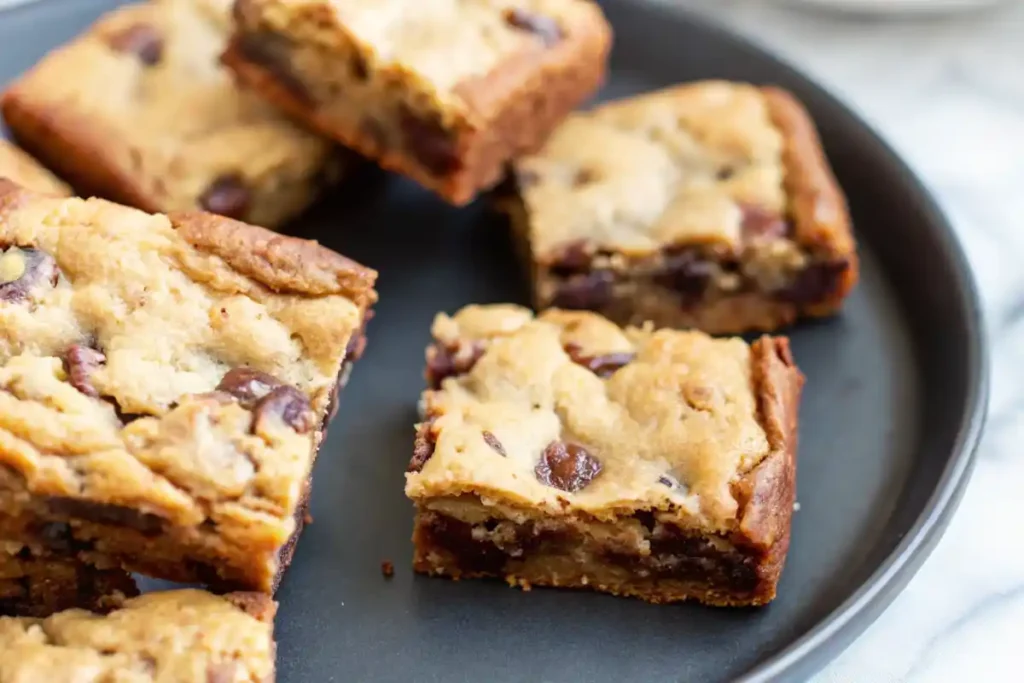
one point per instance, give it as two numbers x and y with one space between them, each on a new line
545 28
423 447
685 272
272 51
566 466
573 258
605 365
248 385
816 283
472 555
761 224
584 177
141 40
493 442
22 270
666 480
80 362
56 536
587 292
105 513
227 196
444 362
286 404
429 142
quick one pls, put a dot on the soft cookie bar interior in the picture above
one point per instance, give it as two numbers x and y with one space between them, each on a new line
563 450
708 205
445 91
138 109
184 636
36 582
164 383
18 166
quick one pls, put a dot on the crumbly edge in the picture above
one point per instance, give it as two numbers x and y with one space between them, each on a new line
507 114
815 201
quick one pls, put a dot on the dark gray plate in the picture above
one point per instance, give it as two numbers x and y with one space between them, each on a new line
894 403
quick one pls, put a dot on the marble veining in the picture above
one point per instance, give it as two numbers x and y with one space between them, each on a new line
948 94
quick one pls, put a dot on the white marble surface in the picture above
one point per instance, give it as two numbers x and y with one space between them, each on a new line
948 93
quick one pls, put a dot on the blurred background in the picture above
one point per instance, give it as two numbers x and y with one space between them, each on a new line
943 82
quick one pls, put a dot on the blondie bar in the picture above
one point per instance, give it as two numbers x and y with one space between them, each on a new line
139 110
165 383
443 91
36 582
18 166
563 450
184 636
708 205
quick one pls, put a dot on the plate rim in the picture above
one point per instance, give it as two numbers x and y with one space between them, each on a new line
835 632
831 635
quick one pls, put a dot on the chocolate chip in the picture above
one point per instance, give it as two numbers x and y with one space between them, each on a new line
668 481
566 466
80 362
444 362
360 70
272 52
227 196
685 272
604 365
357 342
646 519
588 292
573 258
545 28
816 283
24 269
105 513
56 536
493 442
248 385
423 447
584 176
287 404
141 40
761 224
725 173
429 142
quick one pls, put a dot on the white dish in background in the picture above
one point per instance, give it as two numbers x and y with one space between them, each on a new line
896 6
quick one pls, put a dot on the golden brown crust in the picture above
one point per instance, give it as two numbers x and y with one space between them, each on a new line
72 144
257 605
767 493
507 112
285 264
817 205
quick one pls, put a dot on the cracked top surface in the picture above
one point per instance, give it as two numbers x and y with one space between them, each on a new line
668 418
172 637
146 80
676 166
18 166
124 341
440 43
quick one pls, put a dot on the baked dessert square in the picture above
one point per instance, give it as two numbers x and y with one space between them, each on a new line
184 636
165 381
443 91
708 205
17 165
138 109
563 450
36 582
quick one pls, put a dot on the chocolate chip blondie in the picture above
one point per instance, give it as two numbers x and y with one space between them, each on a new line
18 166
184 636
565 451
36 582
443 91
165 383
709 205
139 110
